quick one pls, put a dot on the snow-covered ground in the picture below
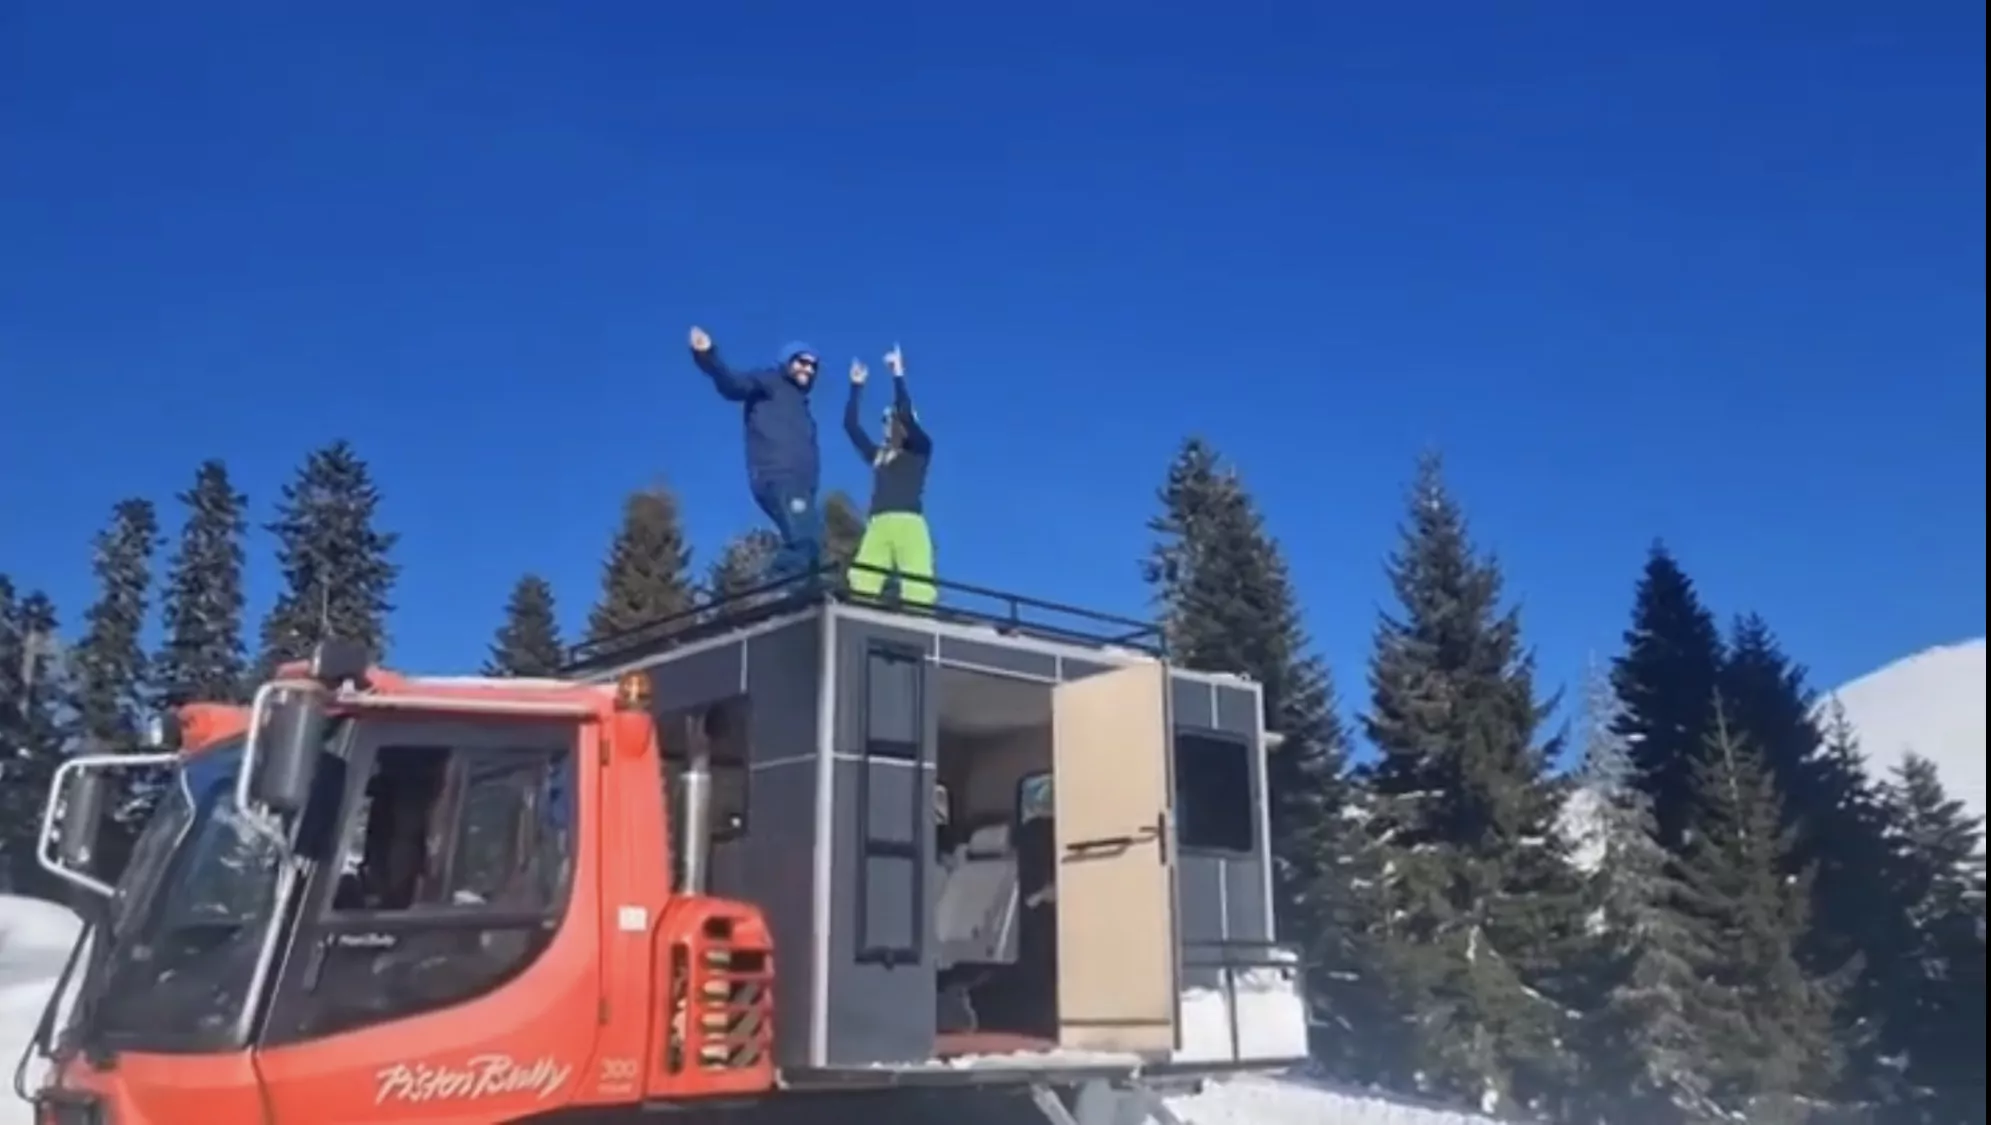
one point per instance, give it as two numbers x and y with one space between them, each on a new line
35 938
1931 703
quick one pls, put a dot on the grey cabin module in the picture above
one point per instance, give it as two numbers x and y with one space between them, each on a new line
975 838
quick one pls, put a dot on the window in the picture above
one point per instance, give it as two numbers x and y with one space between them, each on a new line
1214 807
892 806
894 702
452 879
183 953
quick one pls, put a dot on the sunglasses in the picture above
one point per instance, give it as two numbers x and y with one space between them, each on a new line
807 361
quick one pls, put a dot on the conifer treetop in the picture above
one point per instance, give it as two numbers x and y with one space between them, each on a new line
646 576
528 642
1666 678
203 656
337 564
109 661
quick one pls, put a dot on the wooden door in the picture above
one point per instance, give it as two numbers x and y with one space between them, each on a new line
1117 948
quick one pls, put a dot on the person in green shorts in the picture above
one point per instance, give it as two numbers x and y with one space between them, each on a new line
896 540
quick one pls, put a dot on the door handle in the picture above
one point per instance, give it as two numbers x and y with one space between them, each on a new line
1104 844
314 967
1156 833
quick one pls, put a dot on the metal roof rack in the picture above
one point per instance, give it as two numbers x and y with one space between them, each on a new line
962 602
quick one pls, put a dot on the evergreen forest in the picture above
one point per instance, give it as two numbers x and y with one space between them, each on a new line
1691 902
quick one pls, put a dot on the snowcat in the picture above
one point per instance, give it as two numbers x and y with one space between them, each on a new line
791 857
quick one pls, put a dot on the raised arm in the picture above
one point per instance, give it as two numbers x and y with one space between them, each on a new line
917 439
730 384
866 448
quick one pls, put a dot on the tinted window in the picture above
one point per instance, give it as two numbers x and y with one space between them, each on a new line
894 702
892 809
1213 800
454 873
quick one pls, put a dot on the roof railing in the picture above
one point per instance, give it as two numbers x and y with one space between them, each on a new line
1008 613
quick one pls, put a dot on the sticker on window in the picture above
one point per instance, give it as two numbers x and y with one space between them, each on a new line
1033 798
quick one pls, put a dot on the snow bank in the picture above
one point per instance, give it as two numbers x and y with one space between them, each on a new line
35 940
1282 1101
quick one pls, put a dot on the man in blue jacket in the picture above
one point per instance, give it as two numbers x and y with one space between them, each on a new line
783 467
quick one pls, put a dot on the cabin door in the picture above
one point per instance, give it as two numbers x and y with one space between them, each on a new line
1116 862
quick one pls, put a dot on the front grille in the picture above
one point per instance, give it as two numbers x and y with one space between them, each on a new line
721 1003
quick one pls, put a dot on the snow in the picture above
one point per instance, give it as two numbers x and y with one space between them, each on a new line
1931 703
1581 823
1025 1060
35 940
36 937
1290 1101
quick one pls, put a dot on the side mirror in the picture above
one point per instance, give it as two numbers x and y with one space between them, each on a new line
286 754
82 818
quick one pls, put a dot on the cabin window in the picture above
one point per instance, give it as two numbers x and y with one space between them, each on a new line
455 869
892 807
1214 808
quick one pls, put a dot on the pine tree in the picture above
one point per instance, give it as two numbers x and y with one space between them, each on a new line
11 655
34 734
15 788
337 564
1934 983
1834 814
646 577
1644 1058
528 643
843 529
742 565
1228 604
1667 677
1767 1022
109 662
740 568
203 658
112 690
1483 901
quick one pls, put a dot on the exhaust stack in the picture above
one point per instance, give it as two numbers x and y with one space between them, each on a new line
698 800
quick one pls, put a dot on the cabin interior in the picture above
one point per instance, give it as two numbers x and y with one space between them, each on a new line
995 883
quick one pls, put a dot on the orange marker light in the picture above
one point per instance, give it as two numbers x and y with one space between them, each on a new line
632 691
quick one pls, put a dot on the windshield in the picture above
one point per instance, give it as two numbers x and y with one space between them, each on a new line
189 916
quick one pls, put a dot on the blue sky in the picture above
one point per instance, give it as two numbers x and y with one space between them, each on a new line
1707 271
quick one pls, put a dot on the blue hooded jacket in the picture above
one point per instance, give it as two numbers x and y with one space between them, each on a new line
780 430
